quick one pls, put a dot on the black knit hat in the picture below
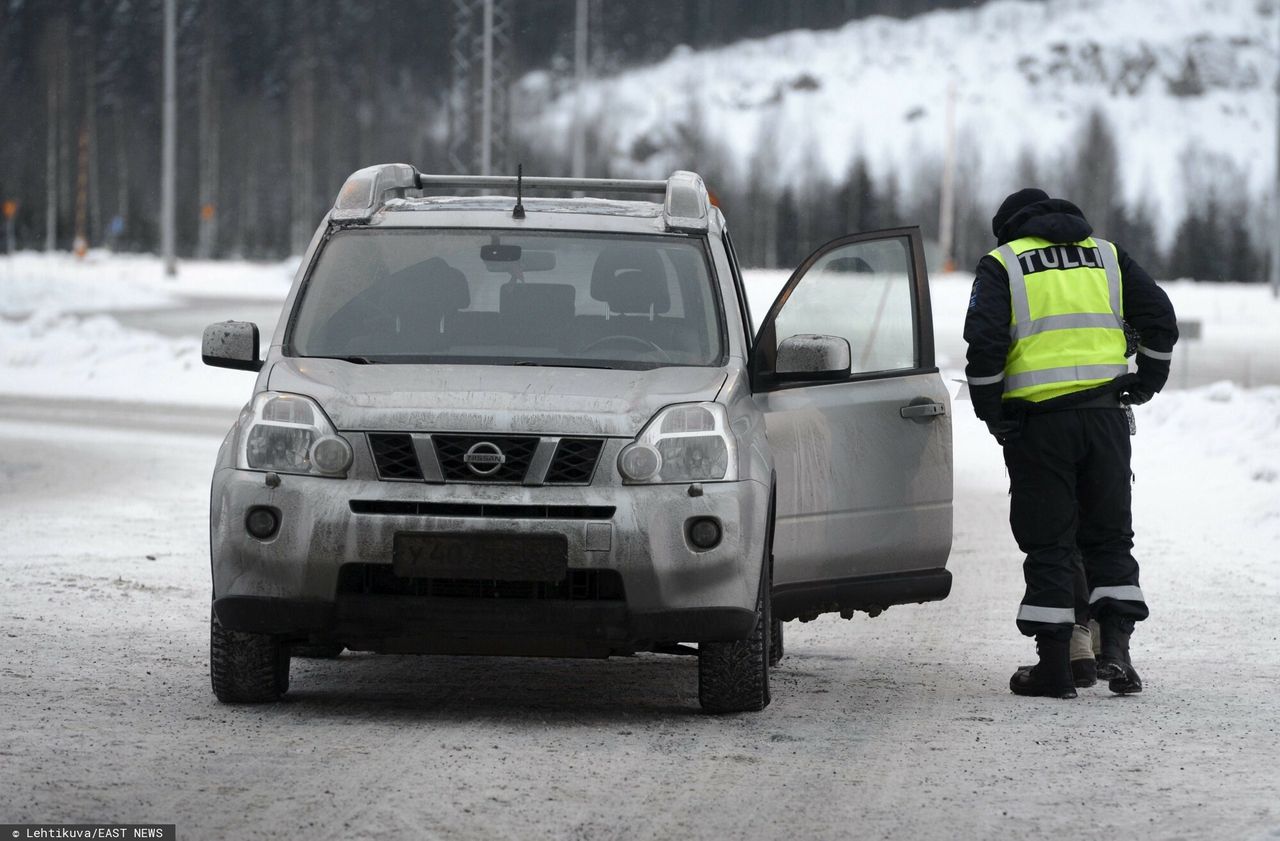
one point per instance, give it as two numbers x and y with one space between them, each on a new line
1014 203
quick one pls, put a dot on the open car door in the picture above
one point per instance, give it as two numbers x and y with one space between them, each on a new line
859 424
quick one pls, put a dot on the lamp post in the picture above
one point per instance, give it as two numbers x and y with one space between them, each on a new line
168 156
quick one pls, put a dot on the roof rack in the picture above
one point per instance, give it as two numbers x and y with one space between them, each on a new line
686 206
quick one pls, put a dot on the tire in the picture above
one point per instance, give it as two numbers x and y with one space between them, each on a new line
733 677
775 641
246 668
319 651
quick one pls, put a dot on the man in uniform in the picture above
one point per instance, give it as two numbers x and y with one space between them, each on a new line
1047 373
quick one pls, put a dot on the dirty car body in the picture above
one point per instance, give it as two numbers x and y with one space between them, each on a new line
555 431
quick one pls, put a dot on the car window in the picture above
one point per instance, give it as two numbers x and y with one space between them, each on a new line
860 292
503 297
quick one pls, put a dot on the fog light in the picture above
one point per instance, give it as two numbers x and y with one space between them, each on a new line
704 532
262 522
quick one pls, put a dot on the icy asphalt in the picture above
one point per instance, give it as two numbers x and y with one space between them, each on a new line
895 727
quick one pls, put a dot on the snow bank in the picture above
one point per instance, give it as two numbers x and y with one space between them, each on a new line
32 281
1222 422
53 354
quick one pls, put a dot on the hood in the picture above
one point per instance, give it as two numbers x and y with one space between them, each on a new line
1056 220
491 398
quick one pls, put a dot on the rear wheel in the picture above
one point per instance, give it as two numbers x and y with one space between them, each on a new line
246 668
733 677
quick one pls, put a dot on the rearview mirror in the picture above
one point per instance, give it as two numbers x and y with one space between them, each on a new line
524 261
500 253
231 344
810 356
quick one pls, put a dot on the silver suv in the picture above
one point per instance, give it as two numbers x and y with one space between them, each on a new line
546 426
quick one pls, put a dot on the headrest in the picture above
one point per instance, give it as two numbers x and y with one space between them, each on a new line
537 301
631 280
432 282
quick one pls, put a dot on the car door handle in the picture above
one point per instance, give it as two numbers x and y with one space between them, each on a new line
922 411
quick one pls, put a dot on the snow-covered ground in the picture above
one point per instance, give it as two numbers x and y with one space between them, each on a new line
65 325
900 726
103 281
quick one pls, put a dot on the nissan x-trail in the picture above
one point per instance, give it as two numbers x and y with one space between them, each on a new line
549 426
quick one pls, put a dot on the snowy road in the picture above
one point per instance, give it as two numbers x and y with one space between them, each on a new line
899 726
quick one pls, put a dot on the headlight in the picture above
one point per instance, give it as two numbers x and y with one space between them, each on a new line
288 433
685 443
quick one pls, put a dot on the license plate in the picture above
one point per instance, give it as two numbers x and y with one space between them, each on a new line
530 557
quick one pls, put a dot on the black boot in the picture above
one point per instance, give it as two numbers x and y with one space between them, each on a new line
1114 665
1051 677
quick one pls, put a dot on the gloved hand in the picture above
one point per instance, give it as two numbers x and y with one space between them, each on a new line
1005 430
1132 391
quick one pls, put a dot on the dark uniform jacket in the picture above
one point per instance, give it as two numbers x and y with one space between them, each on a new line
986 328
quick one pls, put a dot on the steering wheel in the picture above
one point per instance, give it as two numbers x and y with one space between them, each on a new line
645 344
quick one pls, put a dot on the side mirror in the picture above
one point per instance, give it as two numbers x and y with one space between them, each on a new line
813 357
231 344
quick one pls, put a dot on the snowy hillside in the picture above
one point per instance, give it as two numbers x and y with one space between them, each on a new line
1170 75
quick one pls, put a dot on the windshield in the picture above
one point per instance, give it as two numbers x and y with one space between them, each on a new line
503 297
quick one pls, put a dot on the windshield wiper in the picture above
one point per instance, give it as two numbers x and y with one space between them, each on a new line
358 360
526 363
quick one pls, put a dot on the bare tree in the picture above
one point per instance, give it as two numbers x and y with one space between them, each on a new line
302 136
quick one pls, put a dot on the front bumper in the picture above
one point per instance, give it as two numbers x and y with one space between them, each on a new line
289 584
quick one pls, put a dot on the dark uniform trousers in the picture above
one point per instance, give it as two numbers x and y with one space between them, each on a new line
1070 480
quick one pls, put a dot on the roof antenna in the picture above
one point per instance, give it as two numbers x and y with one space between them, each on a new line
518 212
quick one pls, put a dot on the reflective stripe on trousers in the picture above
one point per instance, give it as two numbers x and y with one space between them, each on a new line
1049 615
1126 593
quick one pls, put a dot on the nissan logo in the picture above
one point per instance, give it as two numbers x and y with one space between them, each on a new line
484 458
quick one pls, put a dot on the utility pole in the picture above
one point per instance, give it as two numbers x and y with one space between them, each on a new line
480 50
1275 199
486 94
579 104
80 245
947 210
168 156
51 167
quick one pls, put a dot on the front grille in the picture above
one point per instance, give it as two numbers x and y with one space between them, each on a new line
394 456
574 461
452 450
594 585
410 508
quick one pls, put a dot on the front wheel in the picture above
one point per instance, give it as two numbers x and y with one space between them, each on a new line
246 668
733 677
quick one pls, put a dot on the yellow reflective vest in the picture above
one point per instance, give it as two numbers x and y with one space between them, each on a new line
1067 320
